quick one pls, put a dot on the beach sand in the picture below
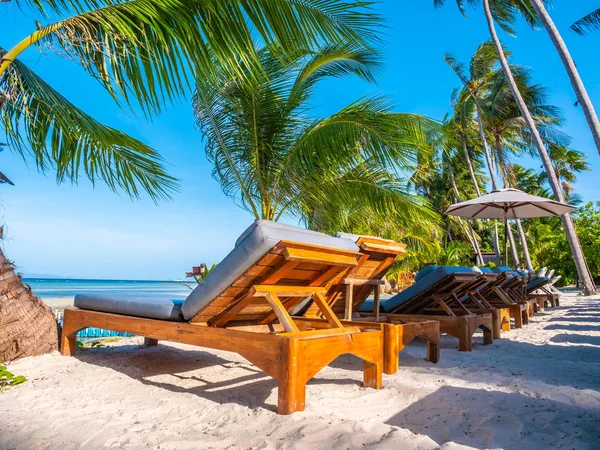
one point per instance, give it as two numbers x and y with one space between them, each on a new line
537 387
59 302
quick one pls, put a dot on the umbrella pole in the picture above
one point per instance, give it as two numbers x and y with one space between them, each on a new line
505 241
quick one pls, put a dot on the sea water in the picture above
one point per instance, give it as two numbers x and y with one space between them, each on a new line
67 288
52 288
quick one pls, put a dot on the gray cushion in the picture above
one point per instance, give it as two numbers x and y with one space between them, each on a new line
149 307
356 237
252 245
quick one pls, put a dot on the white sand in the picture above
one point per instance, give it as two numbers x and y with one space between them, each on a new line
536 388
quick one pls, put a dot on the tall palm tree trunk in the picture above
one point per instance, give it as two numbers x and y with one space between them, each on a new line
507 184
493 236
27 325
524 245
472 236
513 247
486 149
571 68
589 288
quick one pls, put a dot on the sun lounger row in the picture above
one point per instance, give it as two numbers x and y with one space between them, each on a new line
291 300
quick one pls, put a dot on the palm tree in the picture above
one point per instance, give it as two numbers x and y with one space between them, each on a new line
591 20
504 13
144 52
481 72
274 159
460 126
510 137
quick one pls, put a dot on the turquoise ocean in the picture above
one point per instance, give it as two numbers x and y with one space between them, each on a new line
52 288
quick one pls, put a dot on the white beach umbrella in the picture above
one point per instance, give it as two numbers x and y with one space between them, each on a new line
508 204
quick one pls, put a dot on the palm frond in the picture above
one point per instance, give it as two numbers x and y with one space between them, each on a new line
590 22
42 124
147 51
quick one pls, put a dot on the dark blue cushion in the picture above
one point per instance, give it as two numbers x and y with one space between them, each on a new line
486 269
501 269
416 289
537 283
423 272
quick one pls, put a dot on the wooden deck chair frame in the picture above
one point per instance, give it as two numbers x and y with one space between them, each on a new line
251 317
446 307
347 292
477 303
499 298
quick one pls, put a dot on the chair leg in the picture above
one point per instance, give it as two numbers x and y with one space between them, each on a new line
68 337
391 348
292 378
372 376
68 344
488 335
149 342
515 313
496 324
526 316
465 343
433 349
505 320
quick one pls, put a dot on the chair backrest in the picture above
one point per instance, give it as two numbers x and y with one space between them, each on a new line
445 283
268 254
377 256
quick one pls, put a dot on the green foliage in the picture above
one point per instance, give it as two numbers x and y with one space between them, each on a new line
147 54
590 22
552 248
274 159
39 121
456 254
7 379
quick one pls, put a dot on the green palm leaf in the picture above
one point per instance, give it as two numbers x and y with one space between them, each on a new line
590 22
147 50
38 121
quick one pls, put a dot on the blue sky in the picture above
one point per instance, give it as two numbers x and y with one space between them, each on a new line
89 232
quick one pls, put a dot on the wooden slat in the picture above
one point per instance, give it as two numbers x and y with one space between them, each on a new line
281 312
314 256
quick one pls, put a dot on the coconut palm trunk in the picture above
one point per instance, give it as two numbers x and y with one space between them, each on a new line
583 273
513 246
493 236
524 245
472 236
572 72
27 325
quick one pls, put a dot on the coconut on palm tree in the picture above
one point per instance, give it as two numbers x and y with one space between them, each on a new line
504 13
145 53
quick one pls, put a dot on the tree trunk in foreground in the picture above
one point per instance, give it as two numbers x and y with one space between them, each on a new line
589 288
27 325
571 68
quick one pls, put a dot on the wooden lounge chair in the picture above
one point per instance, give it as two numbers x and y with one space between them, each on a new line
243 307
498 294
348 292
436 295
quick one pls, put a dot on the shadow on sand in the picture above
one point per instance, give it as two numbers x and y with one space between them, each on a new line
487 419
248 386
